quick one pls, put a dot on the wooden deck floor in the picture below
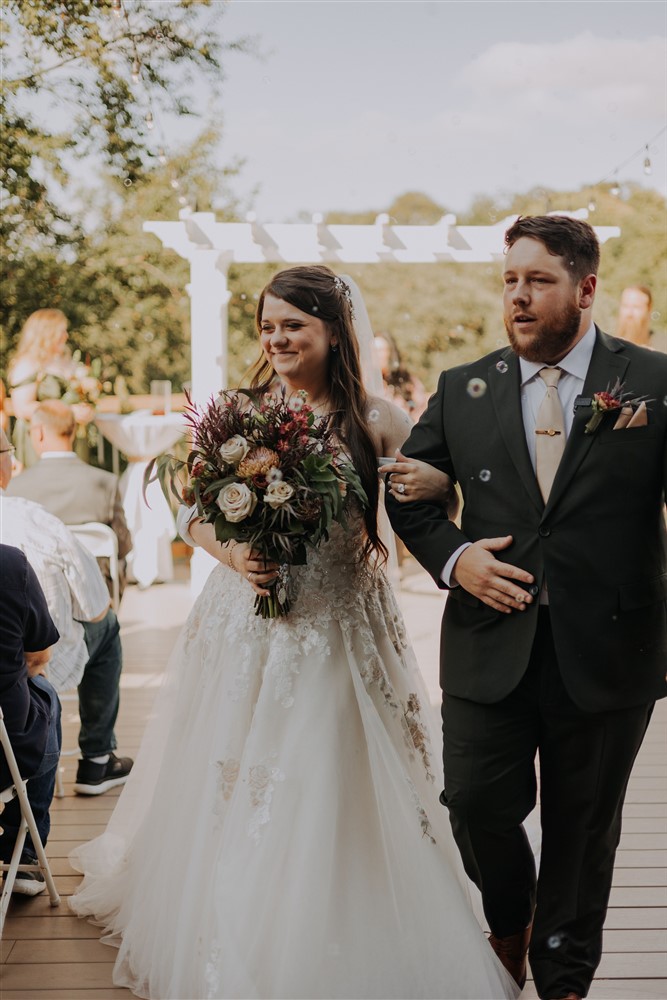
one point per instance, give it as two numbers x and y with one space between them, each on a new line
48 954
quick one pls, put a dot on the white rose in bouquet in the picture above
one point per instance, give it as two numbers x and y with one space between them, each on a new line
236 501
234 450
278 493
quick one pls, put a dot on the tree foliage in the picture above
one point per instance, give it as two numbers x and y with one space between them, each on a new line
88 81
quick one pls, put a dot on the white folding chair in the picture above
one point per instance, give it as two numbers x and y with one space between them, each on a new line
101 540
18 790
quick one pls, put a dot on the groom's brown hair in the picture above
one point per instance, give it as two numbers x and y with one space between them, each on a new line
573 240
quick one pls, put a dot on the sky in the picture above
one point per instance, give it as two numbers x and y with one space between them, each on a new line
351 104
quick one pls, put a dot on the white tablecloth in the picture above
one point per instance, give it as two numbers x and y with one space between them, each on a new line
141 436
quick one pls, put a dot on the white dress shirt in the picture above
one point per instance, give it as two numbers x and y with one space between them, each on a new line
574 367
73 585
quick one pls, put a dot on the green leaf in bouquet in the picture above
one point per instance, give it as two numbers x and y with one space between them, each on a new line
219 484
318 468
165 469
254 397
351 477
225 531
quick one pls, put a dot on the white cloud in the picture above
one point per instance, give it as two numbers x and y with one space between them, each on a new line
518 115
622 76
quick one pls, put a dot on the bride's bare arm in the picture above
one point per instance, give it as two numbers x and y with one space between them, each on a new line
409 479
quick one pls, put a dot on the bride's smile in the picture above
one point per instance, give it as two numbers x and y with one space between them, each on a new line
296 345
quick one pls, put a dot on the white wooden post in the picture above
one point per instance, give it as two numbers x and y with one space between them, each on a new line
209 298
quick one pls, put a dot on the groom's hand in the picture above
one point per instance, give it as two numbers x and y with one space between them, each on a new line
479 572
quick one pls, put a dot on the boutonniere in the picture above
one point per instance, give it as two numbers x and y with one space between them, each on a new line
609 400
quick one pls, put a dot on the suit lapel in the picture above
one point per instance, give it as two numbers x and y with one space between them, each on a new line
505 385
608 364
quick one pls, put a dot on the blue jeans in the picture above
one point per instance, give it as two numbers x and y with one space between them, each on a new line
99 690
40 786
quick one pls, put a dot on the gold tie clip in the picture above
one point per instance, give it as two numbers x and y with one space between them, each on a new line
551 432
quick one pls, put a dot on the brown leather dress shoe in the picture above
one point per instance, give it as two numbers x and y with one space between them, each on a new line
512 952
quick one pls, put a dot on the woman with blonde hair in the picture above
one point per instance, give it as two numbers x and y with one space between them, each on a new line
40 369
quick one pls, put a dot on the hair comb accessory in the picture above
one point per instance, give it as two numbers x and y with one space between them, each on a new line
343 287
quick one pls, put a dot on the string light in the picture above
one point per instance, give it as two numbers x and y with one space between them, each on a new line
591 205
647 163
615 188
120 10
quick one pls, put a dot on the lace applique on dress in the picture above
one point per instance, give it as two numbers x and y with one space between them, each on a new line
212 972
261 782
228 772
425 823
416 735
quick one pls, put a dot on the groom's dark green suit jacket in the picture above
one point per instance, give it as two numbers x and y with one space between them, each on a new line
600 540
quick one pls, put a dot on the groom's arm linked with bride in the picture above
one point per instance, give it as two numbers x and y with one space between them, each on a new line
554 636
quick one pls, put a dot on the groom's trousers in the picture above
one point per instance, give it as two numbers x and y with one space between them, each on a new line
585 760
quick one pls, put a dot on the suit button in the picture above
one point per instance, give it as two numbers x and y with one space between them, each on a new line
533 589
543 531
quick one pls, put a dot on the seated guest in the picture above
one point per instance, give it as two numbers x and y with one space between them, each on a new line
30 707
89 652
68 487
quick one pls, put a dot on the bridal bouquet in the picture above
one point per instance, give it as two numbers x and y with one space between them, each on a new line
266 470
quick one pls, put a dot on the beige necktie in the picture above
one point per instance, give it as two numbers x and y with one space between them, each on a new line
549 431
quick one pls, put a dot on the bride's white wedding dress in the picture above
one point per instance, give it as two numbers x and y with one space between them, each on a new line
280 835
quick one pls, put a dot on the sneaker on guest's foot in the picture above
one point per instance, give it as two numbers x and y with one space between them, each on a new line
94 779
28 883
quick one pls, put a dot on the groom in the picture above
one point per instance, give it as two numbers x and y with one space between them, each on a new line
554 637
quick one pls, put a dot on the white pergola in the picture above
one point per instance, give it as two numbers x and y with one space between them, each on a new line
212 246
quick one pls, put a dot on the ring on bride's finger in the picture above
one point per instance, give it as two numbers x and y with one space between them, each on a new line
400 488
250 574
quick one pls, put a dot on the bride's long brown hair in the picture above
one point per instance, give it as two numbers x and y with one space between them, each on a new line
313 289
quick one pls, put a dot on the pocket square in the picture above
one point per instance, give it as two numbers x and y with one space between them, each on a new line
640 416
628 419
624 418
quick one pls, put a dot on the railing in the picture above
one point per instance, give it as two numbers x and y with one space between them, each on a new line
118 404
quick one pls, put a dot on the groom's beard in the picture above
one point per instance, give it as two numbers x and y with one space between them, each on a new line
551 340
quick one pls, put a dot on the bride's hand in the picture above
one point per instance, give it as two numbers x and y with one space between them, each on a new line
251 564
410 479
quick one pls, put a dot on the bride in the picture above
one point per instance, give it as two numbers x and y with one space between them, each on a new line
280 835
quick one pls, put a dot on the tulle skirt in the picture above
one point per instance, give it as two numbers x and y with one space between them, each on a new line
280 835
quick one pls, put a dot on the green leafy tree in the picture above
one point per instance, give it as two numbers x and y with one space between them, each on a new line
105 72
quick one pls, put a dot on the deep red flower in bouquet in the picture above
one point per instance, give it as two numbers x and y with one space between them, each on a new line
266 470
